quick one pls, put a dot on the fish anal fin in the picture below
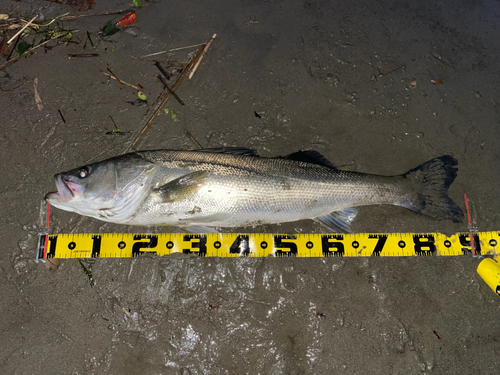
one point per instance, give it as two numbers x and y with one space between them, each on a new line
339 221
182 187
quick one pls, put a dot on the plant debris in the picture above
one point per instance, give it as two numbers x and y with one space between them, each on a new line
88 272
38 101
112 27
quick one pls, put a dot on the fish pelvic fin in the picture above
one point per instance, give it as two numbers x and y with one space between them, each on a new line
339 221
429 184
182 187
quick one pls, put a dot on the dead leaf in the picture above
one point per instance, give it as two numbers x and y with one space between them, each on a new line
4 46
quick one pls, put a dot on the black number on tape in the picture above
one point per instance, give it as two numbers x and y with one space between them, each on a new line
291 246
51 253
465 241
241 245
96 246
326 245
381 240
150 244
424 244
201 244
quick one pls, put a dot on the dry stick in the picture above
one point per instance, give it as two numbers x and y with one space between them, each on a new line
193 139
203 54
172 50
122 82
166 95
83 54
114 76
170 90
60 113
20 31
176 84
163 71
114 123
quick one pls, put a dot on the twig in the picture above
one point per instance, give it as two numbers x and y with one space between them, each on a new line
83 54
178 49
62 117
38 100
20 31
170 90
114 123
114 76
122 82
164 96
203 54
163 71
126 312
172 50
193 139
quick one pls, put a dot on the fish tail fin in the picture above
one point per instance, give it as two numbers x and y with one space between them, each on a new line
429 185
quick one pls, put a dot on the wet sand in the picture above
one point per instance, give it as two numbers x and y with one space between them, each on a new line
333 77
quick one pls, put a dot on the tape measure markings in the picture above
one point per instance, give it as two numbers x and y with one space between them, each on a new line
126 245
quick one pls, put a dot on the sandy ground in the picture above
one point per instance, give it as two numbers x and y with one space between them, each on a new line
330 76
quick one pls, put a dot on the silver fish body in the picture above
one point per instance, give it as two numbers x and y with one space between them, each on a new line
236 188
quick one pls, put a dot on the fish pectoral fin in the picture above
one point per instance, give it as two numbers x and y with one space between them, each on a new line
182 187
339 221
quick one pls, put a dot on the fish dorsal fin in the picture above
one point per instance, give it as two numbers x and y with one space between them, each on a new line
182 187
339 221
310 156
231 150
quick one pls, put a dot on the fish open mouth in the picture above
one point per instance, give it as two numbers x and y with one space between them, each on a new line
63 193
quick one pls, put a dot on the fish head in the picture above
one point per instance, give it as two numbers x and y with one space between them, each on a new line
109 190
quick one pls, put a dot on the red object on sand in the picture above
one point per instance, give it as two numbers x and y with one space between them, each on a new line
127 20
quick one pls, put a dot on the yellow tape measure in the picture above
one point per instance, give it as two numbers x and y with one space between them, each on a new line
127 245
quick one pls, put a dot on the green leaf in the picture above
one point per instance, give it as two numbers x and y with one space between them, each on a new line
136 3
110 28
23 47
141 95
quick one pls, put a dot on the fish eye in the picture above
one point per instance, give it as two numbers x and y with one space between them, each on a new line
83 172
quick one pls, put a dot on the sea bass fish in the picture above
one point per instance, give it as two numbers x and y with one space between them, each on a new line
234 187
